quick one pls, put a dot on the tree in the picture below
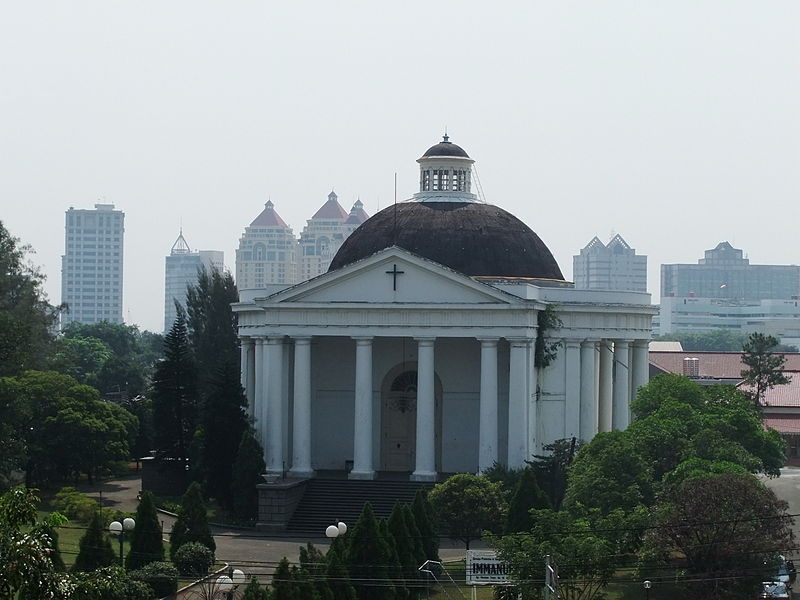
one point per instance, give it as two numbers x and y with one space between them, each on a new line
248 468
338 578
764 368
224 421
95 550
108 583
406 551
283 584
25 548
146 544
609 473
527 495
369 558
724 527
467 504
175 395
254 591
26 318
425 519
142 409
418 544
313 563
551 468
192 522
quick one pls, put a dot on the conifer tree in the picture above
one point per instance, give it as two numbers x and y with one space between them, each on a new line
248 468
416 539
405 550
175 395
368 556
223 423
283 585
338 578
313 563
254 591
95 550
55 551
147 544
527 495
423 515
192 522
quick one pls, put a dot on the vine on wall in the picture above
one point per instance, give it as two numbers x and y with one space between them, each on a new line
545 351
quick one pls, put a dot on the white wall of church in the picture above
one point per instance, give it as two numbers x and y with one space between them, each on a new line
551 402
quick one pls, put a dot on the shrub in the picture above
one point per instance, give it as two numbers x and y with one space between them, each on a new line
74 505
161 576
193 558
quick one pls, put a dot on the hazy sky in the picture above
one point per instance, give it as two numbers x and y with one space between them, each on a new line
675 124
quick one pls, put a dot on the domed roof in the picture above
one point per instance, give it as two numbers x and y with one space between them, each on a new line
471 238
445 148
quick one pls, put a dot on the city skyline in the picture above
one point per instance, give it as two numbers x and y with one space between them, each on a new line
674 125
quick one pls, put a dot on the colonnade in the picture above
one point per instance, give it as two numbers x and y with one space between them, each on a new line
601 377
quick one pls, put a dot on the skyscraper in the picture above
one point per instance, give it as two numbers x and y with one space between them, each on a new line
91 267
612 266
267 252
180 270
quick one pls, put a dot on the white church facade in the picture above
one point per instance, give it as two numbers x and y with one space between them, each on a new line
415 352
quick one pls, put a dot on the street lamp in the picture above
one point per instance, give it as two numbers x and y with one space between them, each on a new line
333 531
647 585
228 583
119 529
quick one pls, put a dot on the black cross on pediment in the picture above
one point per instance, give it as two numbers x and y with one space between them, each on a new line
394 273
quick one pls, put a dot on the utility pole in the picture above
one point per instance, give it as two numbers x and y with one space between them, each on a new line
550 580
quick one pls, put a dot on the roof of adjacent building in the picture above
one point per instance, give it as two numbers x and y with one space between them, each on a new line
268 217
783 423
782 396
714 365
471 238
357 214
331 209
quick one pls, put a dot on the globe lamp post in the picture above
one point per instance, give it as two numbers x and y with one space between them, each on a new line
334 531
647 585
118 529
228 583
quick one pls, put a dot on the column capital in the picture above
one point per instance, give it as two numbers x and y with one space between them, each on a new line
425 341
572 342
362 340
590 341
301 340
623 342
519 341
488 341
641 344
274 339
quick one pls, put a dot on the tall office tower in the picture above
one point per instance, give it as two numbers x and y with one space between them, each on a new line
724 291
91 268
324 233
267 252
181 268
612 266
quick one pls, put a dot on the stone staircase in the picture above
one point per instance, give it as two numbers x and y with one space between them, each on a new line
328 500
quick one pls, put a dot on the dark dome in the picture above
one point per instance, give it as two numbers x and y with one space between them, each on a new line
445 148
471 238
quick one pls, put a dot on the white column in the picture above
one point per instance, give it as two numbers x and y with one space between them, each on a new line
518 397
274 403
589 408
426 412
572 389
641 366
606 385
260 404
621 384
301 422
487 435
362 428
247 371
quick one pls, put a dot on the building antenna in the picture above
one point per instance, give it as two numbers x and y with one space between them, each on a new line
394 240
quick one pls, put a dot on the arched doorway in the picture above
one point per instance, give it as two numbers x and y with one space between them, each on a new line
399 418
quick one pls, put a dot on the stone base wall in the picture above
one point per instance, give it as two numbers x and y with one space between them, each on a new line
277 502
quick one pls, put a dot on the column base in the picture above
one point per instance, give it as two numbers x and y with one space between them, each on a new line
361 475
423 476
301 473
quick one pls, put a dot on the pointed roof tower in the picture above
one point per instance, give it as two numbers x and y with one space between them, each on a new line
180 246
357 214
331 209
268 217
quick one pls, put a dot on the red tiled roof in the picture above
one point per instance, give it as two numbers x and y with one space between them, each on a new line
331 209
357 214
782 396
783 423
715 365
268 218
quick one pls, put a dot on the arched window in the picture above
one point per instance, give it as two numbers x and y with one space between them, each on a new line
259 252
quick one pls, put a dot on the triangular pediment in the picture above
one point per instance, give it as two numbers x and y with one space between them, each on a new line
394 275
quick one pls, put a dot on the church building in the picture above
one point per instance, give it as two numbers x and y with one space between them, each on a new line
416 352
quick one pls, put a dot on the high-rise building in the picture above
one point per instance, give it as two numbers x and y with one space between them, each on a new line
267 252
612 266
91 268
324 234
181 268
724 291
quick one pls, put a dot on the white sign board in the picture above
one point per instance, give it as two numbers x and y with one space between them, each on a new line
484 568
